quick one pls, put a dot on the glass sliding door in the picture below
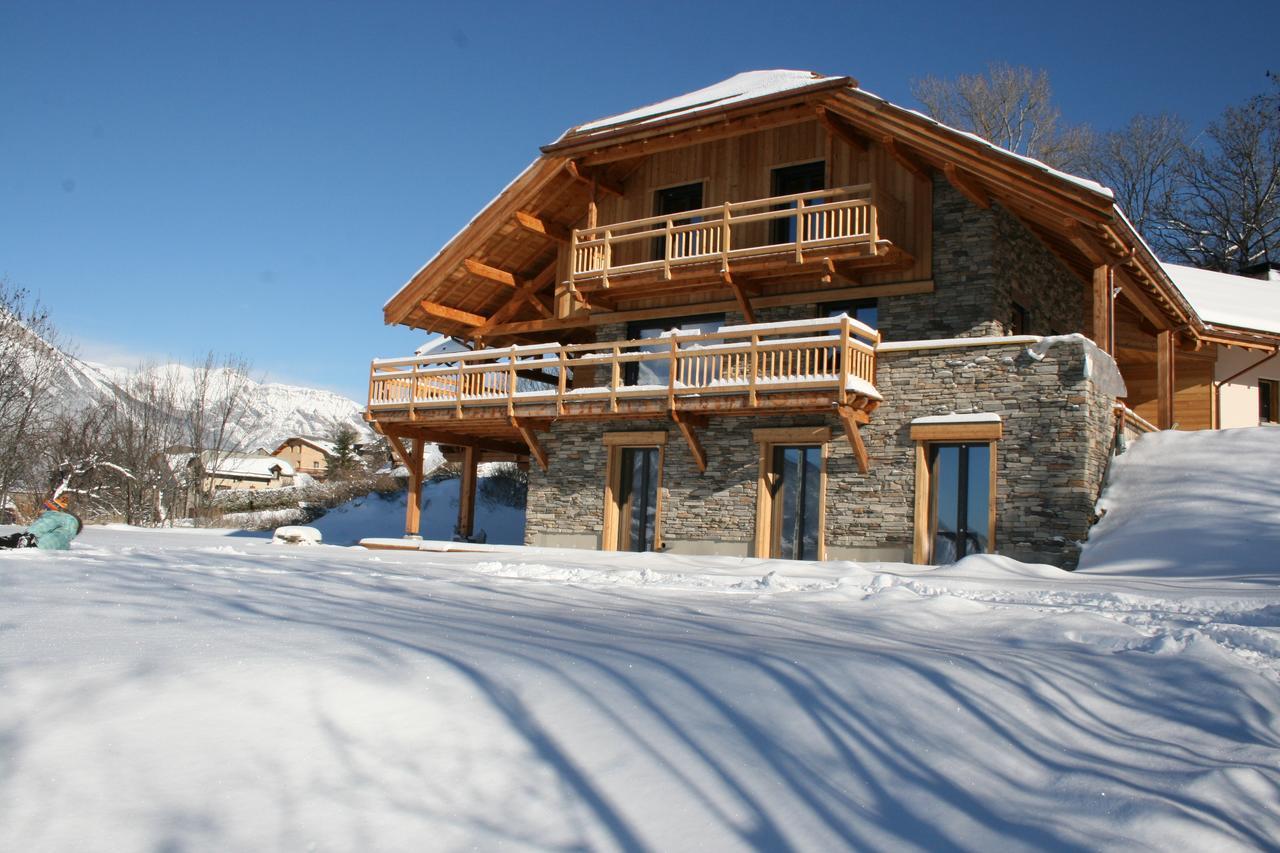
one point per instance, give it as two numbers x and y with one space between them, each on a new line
657 372
637 496
792 180
796 497
960 501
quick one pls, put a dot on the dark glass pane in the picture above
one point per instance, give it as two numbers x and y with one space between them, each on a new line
960 512
638 498
977 521
863 310
946 489
796 499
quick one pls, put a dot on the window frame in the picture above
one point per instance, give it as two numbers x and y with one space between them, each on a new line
615 443
768 439
926 435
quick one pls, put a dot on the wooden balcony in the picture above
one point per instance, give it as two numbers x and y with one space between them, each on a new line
813 365
734 237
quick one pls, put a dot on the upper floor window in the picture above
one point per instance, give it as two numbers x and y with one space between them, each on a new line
675 200
1019 320
791 180
1269 401
656 372
863 310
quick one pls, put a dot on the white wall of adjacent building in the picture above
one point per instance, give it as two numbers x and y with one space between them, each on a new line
1238 400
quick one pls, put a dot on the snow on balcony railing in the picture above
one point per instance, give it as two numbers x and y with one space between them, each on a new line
835 355
809 220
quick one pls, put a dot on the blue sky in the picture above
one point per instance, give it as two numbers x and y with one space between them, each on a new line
261 177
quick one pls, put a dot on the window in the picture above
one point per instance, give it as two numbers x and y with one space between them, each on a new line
656 372
863 310
1019 320
955 489
633 491
675 200
1268 401
790 502
792 180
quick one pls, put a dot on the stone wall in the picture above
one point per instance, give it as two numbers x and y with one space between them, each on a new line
1057 431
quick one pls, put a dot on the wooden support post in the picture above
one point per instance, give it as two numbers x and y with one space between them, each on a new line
1165 379
1103 303
851 418
467 494
686 423
413 501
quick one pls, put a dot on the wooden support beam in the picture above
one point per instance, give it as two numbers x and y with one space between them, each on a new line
1102 308
538 225
413 500
575 172
524 293
461 440
1133 293
530 436
866 291
687 424
444 312
744 301
905 160
491 273
851 418
1165 379
967 185
840 129
467 494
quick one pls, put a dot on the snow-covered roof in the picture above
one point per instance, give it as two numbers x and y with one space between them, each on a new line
245 465
746 86
1223 299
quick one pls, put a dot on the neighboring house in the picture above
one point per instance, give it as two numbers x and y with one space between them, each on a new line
221 471
783 317
307 454
1245 382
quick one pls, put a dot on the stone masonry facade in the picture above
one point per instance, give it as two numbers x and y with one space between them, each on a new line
1049 463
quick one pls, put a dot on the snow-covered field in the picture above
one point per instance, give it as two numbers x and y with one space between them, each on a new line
195 690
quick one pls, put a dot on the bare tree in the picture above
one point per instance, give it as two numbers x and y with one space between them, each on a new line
1009 106
1139 162
216 412
30 362
1224 213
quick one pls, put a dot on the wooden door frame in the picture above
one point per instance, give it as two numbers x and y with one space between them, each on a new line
614 443
768 439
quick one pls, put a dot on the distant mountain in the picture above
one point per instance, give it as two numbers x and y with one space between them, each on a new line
274 411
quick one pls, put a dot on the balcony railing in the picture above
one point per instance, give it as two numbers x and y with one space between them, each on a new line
686 368
846 216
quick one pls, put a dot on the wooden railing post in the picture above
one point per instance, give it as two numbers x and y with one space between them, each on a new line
666 252
846 355
671 375
608 257
725 238
799 230
754 369
564 382
615 378
461 365
511 387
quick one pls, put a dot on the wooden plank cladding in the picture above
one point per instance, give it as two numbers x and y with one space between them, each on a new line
740 365
810 221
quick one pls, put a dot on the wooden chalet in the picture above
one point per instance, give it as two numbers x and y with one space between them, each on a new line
782 316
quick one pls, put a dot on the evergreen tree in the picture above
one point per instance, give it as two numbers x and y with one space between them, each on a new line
345 461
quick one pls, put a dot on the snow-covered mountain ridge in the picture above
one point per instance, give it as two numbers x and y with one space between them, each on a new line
273 411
